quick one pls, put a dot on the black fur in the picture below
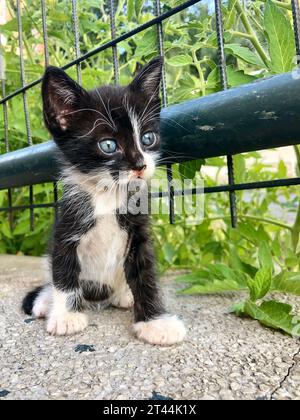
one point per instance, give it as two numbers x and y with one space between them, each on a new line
140 268
71 115
29 299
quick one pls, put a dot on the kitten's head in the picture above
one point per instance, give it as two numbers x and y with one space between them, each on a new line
109 129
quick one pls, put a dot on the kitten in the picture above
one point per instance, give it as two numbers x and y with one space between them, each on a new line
100 254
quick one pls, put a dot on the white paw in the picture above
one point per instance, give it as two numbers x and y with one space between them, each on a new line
69 323
41 306
165 330
124 301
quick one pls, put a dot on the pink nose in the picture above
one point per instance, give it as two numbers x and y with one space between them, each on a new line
140 170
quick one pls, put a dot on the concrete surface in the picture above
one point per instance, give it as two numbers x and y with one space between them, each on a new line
223 357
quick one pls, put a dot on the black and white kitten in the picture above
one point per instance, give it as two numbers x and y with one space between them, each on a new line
98 253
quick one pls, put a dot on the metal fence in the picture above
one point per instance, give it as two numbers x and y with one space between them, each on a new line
9 161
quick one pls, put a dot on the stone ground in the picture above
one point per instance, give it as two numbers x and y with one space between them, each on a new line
223 357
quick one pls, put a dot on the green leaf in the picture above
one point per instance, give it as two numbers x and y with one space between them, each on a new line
12 25
214 278
239 167
248 232
188 170
260 285
130 9
138 7
274 314
169 252
244 54
287 282
231 16
215 286
5 229
265 255
238 77
280 37
237 308
22 228
180 60
147 44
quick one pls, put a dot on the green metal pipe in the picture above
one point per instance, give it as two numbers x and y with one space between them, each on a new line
260 115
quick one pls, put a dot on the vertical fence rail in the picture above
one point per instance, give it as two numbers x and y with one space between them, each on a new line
76 38
25 104
224 85
112 19
6 134
296 22
45 37
46 57
160 42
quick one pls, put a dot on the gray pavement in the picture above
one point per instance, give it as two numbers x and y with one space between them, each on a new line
223 357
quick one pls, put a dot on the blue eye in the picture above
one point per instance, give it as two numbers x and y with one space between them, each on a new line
148 138
108 146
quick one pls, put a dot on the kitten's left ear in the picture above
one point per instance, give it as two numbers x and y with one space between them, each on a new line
148 79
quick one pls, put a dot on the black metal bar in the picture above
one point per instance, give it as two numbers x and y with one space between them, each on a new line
227 188
224 85
45 37
6 136
160 41
76 38
160 38
296 22
29 207
25 104
109 44
112 19
46 54
206 190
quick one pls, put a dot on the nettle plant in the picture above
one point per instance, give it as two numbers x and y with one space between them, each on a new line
259 43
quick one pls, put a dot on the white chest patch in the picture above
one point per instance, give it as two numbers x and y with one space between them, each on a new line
101 252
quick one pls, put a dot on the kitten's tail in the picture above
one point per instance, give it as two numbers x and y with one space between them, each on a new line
29 300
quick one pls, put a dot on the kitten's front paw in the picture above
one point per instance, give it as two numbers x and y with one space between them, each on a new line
165 330
123 301
70 323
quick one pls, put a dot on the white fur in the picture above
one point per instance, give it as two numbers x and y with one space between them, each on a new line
61 321
42 303
101 252
165 330
149 158
122 297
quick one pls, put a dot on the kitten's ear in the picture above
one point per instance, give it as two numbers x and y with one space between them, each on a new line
148 79
61 97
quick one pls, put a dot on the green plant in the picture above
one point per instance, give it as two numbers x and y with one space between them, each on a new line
259 43
258 281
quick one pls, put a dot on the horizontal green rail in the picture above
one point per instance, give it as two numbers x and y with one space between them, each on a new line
261 115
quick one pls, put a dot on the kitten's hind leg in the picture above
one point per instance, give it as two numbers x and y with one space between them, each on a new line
37 302
65 317
41 305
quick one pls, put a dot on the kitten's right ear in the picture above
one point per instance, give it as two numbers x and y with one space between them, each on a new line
61 97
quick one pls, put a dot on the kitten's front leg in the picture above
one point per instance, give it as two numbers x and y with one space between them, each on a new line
65 316
64 319
152 323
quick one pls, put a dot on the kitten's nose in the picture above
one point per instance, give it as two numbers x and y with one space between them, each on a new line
140 168
139 165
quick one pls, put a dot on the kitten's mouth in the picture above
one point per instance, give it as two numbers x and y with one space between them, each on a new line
136 175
